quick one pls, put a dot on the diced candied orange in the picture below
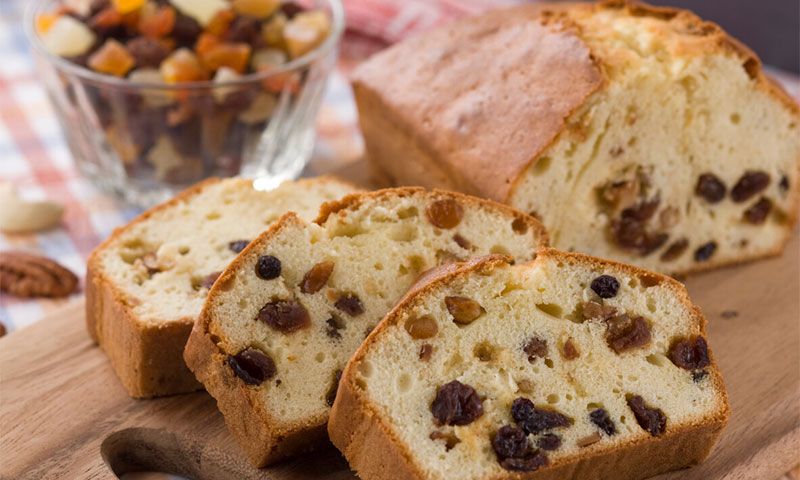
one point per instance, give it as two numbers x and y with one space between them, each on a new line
112 58
204 43
127 6
220 22
183 66
305 32
105 19
272 31
256 8
45 20
231 55
156 21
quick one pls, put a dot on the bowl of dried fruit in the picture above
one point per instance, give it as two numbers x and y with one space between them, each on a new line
154 95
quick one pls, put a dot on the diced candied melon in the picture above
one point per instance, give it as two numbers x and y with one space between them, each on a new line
183 66
68 37
256 8
200 10
231 55
112 58
44 21
305 32
205 42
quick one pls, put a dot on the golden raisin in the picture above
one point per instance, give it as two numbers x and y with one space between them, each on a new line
317 277
446 213
463 309
421 327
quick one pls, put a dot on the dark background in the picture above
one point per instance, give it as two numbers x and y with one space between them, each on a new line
770 27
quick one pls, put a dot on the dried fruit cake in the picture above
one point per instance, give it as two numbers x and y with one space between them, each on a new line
285 316
636 133
573 367
146 284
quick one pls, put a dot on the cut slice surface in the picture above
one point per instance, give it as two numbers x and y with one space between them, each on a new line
283 319
574 365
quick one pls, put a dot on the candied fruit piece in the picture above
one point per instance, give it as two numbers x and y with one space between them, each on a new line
106 20
44 21
201 11
152 97
205 42
182 66
272 30
456 404
220 22
156 21
224 75
68 37
305 32
112 58
260 9
232 55
127 6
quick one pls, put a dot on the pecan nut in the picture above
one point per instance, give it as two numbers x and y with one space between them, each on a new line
28 275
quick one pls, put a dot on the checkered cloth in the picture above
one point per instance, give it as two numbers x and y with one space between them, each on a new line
34 157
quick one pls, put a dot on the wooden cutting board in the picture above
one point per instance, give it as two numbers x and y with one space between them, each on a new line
63 413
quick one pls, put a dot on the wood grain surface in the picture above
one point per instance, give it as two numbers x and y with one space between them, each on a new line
63 413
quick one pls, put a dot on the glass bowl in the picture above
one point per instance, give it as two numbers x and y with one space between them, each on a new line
144 141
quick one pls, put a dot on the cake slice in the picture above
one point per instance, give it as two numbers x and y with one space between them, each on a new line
146 284
285 316
575 367
637 133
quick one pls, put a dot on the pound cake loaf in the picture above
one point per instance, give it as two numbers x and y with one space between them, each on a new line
565 367
285 316
146 284
636 133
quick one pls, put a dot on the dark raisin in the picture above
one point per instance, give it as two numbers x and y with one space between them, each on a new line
425 352
729 314
252 366
536 420
334 324
330 397
186 30
268 267
450 440
243 29
237 246
147 52
535 348
209 279
642 211
600 418
462 242
464 310
456 404
689 353
316 277
699 375
675 250
285 316
532 461
651 419
350 304
519 225
624 333
605 286
704 252
710 187
784 183
96 5
290 9
445 213
758 212
751 183
549 441
510 442
631 233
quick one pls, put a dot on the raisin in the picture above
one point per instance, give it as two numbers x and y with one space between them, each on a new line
317 277
147 52
699 375
464 310
751 183
605 286
569 351
689 353
549 441
450 440
624 333
290 9
532 461
600 418
519 225
675 250
593 309
631 233
330 397
243 29
209 279
650 419
642 211
421 327
705 251
252 366
462 242
334 324
268 267
535 347
237 246
456 404
425 352
285 316
535 421
444 213
758 212
186 30
350 304
510 442
784 183
710 187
